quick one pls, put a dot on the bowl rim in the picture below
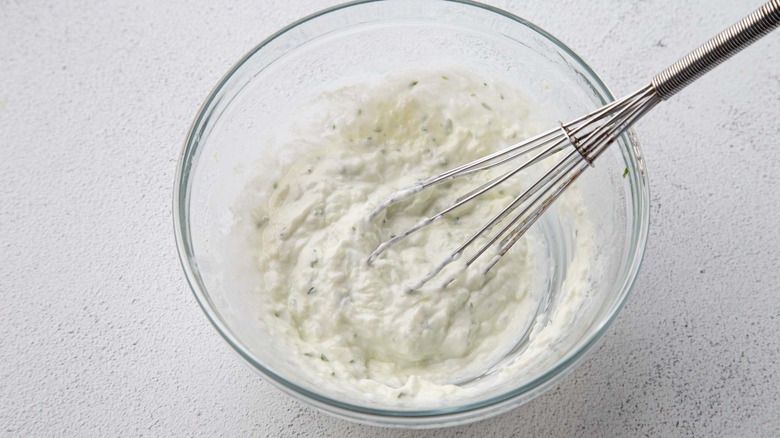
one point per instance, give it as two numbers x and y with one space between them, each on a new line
639 188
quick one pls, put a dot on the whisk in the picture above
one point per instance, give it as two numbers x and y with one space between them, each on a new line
586 138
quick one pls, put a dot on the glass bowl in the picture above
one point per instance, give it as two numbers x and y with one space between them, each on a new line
232 137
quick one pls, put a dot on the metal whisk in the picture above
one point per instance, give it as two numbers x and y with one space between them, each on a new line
587 137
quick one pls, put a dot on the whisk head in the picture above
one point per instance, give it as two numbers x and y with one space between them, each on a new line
581 141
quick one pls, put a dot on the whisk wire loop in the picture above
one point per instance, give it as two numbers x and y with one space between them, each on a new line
586 137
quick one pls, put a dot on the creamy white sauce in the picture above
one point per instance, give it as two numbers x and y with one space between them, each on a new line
355 326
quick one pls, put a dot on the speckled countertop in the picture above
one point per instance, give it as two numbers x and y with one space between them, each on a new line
101 336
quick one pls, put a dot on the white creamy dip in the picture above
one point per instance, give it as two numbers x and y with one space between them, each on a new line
355 326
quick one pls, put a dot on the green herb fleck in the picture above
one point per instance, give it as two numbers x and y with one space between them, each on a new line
352 361
445 78
276 313
401 394
333 127
308 354
392 235
484 84
625 172
486 106
473 94
448 127
276 185
413 84
377 129
501 192
333 374
502 96
360 112
311 290
309 170
354 228
262 222
324 358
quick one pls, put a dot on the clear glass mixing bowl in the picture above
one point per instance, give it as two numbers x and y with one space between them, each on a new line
231 137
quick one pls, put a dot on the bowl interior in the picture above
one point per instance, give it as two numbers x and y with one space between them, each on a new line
241 133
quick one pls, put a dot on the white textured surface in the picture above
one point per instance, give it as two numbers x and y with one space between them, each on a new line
101 336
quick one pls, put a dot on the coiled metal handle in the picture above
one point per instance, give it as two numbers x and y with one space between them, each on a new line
725 44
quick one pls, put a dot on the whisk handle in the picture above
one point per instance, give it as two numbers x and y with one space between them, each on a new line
718 49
